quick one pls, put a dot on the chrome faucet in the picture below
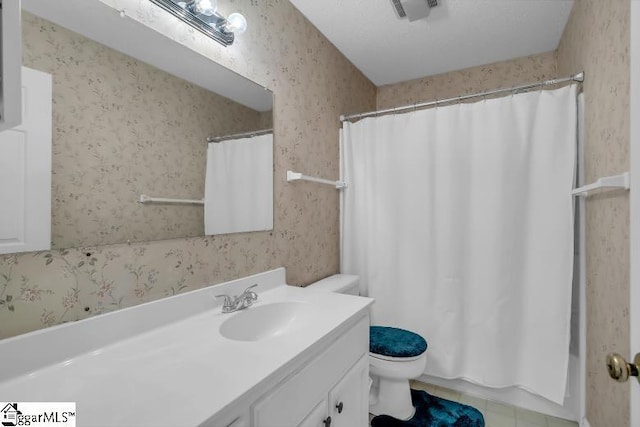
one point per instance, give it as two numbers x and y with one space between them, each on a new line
244 300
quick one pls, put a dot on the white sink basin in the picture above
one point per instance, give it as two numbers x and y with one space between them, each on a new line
266 321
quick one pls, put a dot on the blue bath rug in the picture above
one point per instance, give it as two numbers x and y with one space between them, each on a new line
432 411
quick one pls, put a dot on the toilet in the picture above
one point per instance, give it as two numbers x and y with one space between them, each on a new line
395 356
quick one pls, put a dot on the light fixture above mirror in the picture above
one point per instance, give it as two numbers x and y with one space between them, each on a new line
203 16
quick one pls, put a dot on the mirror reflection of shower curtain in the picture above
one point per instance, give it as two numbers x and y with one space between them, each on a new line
238 190
459 221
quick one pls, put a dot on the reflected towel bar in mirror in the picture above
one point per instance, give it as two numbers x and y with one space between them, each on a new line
148 199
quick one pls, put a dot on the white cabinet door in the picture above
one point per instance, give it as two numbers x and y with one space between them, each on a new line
317 417
349 399
291 402
25 170
10 62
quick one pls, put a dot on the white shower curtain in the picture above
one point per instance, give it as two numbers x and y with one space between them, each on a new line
459 221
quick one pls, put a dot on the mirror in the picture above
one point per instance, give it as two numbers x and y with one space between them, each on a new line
132 111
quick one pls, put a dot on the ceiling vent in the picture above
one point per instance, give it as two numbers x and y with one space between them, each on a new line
413 9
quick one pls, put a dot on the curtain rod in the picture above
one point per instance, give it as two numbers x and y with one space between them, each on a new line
217 139
575 78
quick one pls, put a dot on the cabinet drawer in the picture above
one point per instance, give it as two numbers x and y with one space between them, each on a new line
290 402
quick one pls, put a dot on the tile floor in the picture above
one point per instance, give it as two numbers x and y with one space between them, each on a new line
496 414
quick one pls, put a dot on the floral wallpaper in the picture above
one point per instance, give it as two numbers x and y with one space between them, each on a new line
597 40
511 73
122 128
312 82
42 289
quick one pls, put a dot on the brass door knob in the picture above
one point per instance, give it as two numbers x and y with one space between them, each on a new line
620 370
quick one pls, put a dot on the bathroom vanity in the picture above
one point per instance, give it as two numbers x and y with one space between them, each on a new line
296 357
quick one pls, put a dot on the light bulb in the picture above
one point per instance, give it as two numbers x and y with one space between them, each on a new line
205 7
236 23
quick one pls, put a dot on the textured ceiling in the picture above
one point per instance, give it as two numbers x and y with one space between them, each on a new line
456 35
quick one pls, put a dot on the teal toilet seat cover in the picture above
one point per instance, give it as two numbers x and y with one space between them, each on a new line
395 342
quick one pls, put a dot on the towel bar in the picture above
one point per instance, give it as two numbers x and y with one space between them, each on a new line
295 176
148 199
615 181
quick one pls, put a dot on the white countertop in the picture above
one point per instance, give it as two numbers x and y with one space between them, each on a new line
181 373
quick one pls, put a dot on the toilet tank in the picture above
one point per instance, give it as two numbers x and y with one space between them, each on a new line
340 283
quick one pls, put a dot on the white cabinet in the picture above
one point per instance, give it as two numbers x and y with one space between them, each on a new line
325 386
318 416
349 399
329 390
348 402
25 171
10 63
